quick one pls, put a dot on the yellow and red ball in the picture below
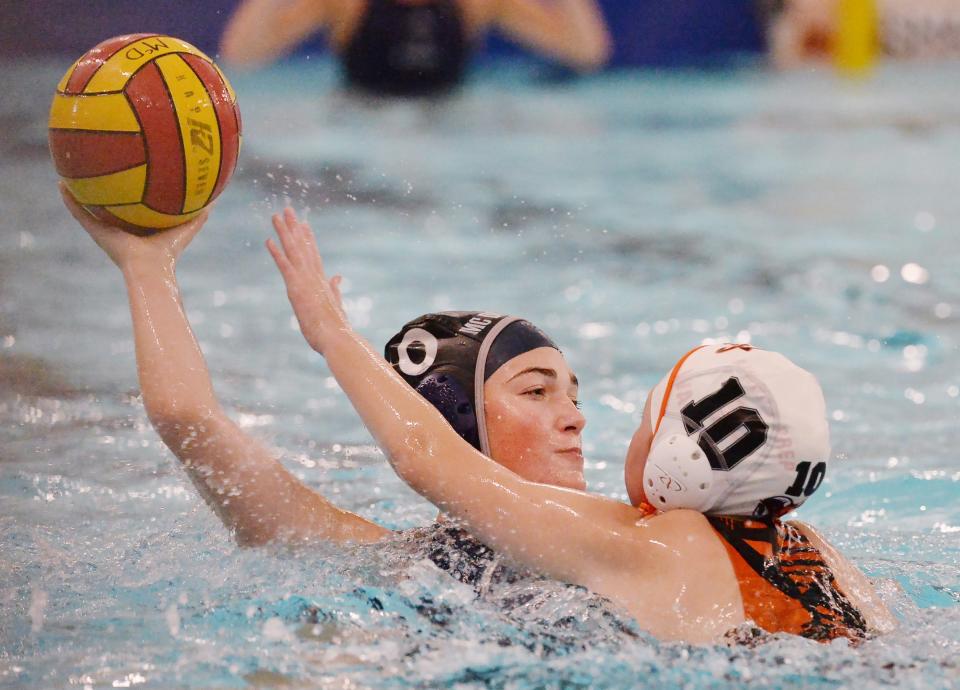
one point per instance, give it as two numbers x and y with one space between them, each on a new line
145 131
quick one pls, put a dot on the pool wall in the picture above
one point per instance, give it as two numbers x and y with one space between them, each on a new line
646 32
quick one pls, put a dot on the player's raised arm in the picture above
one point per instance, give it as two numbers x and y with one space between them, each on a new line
261 31
565 533
572 32
238 476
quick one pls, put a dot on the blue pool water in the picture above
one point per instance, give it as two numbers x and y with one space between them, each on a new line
632 216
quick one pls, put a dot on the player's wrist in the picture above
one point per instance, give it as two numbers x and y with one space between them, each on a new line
335 339
138 266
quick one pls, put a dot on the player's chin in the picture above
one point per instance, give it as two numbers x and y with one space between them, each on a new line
569 473
579 483
575 481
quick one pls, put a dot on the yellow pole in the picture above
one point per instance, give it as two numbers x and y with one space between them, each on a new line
857 36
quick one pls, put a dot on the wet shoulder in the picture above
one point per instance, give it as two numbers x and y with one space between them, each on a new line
693 545
682 526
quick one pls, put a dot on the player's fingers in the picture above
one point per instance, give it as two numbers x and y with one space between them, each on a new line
279 258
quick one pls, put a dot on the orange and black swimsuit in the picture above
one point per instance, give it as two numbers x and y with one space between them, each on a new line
785 584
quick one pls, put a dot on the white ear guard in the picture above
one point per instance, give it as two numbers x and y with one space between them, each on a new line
678 475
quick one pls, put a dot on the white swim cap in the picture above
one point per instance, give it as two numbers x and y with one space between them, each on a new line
736 431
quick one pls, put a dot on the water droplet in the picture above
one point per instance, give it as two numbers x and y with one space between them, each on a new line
924 221
914 273
880 273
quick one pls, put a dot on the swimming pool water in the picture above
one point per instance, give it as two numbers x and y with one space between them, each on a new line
631 215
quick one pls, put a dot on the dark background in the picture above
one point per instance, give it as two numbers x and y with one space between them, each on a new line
660 33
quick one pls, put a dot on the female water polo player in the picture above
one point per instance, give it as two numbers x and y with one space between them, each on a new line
533 421
761 447
528 401
415 47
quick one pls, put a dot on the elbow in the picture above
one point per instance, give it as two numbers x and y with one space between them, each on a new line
250 532
594 57
404 464
234 62
228 53
179 427
251 539
412 456
601 55
593 63
233 55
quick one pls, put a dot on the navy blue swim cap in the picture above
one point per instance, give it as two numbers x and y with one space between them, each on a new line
448 356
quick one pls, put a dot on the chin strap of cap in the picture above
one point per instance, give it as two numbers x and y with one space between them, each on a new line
479 379
678 475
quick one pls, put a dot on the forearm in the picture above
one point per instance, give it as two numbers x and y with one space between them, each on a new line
174 379
261 31
401 421
258 499
570 31
422 447
240 478
587 33
177 391
553 530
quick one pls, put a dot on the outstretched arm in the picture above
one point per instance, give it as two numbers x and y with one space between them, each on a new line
567 534
238 476
261 31
570 31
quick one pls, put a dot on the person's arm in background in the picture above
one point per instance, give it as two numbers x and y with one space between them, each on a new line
261 31
803 31
254 495
572 32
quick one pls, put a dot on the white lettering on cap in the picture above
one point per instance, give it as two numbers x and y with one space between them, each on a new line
477 323
429 342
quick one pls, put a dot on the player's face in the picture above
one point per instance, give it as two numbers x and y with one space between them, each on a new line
533 423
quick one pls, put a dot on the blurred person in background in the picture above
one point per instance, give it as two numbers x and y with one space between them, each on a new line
804 32
414 47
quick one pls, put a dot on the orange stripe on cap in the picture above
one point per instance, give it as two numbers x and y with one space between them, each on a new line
669 388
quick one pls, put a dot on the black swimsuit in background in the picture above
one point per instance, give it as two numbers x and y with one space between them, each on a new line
407 49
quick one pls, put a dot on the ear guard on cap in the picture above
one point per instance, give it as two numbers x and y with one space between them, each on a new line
444 392
678 475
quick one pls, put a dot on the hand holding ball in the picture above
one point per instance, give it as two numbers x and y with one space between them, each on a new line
144 131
